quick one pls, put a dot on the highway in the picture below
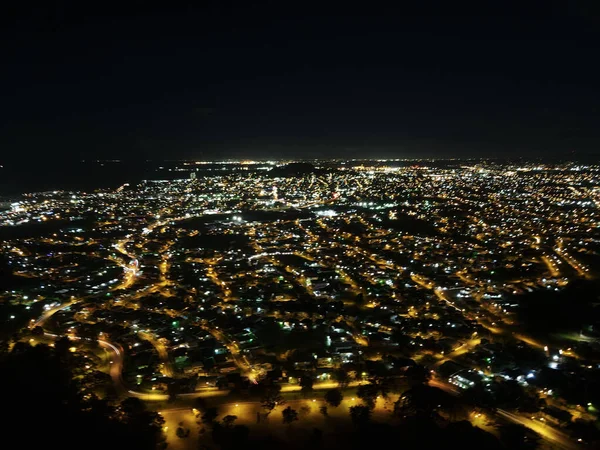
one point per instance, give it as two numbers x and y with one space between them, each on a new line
547 432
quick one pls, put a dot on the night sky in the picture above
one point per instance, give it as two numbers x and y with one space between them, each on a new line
89 80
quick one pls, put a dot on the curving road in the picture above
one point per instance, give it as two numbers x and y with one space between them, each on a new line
47 314
160 348
116 368
116 373
547 432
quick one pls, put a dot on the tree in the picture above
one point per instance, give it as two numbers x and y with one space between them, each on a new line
141 421
423 400
477 396
368 394
417 375
303 411
387 385
39 372
586 431
132 406
62 346
334 397
271 397
89 333
289 415
200 403
307 384
228 420
360 415
511 395
173 390
341 376
209 416
518 437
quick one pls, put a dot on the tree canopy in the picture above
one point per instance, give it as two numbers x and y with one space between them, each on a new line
40 380
334 397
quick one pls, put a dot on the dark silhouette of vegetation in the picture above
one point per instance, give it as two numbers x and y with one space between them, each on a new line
182 432
569 309
200 404
306 382
228 420
210 415
73 418
518 437
418 433
173 390
334 397
271 397
303 411
423 400
506 394
465 436
588 432
368 394
417 374
360 415
289 415
37 331
341 376
386 385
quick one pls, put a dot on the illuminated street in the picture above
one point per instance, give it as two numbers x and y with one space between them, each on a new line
195 292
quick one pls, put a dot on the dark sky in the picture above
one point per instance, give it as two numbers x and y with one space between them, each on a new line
284 79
